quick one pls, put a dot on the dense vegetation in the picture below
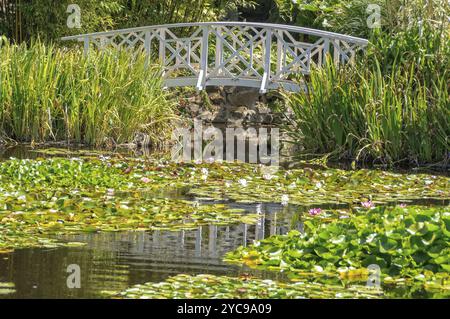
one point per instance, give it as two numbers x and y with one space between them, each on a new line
92 192
50 93
393 105
406 242
209 286
27 19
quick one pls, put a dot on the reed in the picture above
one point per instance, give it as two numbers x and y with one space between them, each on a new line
392 106
50 93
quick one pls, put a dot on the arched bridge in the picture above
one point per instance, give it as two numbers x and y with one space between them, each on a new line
260 55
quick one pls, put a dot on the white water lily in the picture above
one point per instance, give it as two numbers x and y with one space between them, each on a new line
205 173
319 185
243 182
268 176
284 200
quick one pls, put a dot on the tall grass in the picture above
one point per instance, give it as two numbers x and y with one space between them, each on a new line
393 106
49 93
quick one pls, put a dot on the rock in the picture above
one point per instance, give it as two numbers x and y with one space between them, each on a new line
142 140
206 116
193 108
242 96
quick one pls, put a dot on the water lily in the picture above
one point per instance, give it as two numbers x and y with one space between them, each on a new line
315 211
145 180
205 173
258 209
268 176
243 182
368 204
402 205
284 200
318 185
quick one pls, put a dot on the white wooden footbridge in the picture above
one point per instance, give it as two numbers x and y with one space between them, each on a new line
259 55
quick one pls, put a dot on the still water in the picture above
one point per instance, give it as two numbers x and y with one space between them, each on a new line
116 261
111 262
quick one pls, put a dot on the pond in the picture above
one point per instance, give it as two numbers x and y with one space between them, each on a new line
113 260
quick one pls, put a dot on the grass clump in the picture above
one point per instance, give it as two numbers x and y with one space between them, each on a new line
392 106
52 94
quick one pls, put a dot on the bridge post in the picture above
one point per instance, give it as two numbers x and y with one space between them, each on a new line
336 51
219 49
204 59
162 49
86 45
267 48
279 51
326 50
147 48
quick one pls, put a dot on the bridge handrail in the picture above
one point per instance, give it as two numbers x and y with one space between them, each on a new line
302 30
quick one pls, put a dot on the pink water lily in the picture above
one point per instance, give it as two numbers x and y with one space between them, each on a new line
368 204
314 211
145 180
402 205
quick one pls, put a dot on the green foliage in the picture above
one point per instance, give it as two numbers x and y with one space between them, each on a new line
41 198
392 106
302 186
223 287
48 93
403 242
46 19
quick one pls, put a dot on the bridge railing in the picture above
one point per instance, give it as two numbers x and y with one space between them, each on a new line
260 55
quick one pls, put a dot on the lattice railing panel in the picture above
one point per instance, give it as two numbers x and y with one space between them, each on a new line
230 53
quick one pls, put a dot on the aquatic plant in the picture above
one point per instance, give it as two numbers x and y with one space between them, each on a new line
209 286
31 219
106 193
407 243
53 94
299 185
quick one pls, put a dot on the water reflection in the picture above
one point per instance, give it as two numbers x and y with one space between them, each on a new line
115 261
